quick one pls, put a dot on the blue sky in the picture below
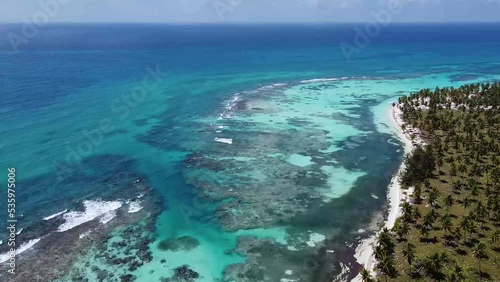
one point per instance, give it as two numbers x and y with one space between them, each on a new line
252 11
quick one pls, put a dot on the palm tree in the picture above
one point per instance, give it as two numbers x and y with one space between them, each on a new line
495 237
417 194
456 234
424 232
452 277
456 274
365 275
457 186
407 209
433 214
403 231
481 213
416 213
433 196
434 263
464 226
462 168
446 223
378 252
385 240
409 252
453 169
476 170
439 162
448 202
466 203
479 251
429 219
470 226
386 266
475 190
473 185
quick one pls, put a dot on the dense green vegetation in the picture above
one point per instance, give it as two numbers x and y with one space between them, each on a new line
450 230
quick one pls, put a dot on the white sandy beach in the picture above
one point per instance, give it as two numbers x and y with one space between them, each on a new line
364 251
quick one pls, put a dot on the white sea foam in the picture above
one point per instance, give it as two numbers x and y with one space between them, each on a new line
230 105
19 231
345 269
24 247
226 115
391 141
134 207
107 217
1 242
93 209
224 140
85 234
324 79
269 87
319 80
54 215
315 238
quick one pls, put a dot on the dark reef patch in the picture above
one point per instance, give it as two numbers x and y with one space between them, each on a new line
54 256
184 243
182 274
464 77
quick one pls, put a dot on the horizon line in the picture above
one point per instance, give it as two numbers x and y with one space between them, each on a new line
254 23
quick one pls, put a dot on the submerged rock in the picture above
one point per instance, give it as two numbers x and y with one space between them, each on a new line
127 278
186 273
184 243
182 274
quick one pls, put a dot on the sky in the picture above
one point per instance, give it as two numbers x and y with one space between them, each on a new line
248 11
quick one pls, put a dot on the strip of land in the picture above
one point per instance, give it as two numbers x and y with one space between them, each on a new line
449 228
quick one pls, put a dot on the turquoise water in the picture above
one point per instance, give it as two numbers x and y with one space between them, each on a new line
309 141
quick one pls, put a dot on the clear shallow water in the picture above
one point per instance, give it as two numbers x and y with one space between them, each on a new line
306 154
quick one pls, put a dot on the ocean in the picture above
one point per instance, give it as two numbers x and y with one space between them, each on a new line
268 149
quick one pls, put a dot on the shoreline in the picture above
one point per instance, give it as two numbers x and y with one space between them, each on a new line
364 252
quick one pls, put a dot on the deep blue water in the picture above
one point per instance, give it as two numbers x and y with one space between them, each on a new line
86 55
66 79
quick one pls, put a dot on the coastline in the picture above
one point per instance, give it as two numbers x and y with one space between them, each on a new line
364 252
